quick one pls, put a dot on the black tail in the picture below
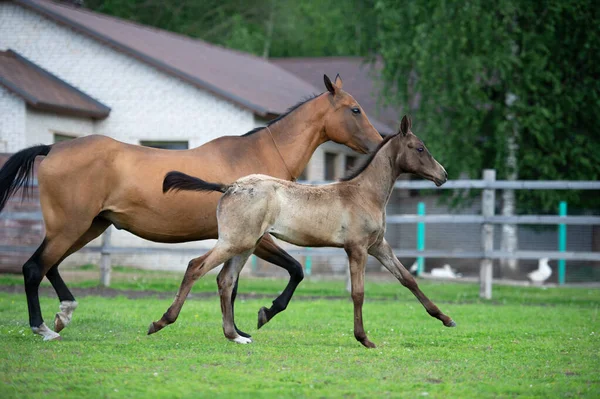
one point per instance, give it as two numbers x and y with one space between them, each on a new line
180 181
17 171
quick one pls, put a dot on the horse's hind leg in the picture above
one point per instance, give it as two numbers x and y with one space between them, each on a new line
32 276
271 252
226 280
383 252
197 268
67 301
48 254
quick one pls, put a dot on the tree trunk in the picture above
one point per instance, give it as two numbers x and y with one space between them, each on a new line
509 240
269 31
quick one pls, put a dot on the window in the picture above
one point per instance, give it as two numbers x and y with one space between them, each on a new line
167 145
350 162
330 166
58 137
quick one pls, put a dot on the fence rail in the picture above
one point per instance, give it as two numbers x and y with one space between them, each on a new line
486 220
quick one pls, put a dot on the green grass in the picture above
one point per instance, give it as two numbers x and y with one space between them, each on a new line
529 342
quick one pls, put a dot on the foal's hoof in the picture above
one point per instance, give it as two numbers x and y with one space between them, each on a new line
368 344
241 340
153 328
243 334
451 323
262 317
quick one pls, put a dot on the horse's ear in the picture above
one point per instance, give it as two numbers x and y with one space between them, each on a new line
405 125
338 81
329 85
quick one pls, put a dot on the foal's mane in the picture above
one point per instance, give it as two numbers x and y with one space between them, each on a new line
360 168
286 113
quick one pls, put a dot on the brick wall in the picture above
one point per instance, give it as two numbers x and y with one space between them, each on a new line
12 121
19 232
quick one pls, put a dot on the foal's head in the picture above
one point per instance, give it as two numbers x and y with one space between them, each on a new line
346 122
414 157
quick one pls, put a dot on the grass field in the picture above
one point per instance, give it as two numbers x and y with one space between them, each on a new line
528 342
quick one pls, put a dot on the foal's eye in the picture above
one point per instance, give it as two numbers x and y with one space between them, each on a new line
356 110
420 149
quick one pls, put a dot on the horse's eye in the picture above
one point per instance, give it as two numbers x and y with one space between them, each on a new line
356 110
420 149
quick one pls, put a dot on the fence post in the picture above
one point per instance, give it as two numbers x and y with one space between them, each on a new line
562 242
253 264
488 201
308 263
420 238
105 265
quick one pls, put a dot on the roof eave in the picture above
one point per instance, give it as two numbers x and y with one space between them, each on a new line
261 111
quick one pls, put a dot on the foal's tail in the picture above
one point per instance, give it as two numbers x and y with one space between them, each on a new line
17 171
180 181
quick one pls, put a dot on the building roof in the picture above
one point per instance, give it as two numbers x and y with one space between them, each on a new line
249 81
360 78
42 90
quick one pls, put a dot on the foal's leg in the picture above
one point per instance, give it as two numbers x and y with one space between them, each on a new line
357 256
197 268
225 270
226 281
383 252
271 252
68 304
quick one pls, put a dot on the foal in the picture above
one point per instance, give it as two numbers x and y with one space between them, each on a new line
349 214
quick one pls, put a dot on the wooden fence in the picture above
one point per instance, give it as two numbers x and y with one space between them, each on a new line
487 219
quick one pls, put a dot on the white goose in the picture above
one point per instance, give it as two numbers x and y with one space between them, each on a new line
542 273
445 271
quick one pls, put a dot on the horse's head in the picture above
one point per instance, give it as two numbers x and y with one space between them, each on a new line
414 157
346 122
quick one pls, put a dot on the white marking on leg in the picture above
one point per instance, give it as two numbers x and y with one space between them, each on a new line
241 340
66 311
45 332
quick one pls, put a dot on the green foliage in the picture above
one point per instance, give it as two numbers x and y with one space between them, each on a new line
309 351
263 27
464 58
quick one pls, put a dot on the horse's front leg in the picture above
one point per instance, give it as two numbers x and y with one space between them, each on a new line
271 252
383 252
357 256
226 280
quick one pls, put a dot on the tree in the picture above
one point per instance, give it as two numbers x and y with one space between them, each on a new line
512 85
266 28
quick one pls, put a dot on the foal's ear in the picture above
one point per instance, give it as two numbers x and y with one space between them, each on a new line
338 81
330 87
405 125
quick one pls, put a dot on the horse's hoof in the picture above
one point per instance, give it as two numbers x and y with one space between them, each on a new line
152 328
241 340
53 338
262 317
46 333
451 323
243 334
58 323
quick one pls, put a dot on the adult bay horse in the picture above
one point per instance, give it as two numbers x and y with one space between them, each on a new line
89 183
349 214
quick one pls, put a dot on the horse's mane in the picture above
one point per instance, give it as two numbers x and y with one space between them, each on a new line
286 113
360 168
